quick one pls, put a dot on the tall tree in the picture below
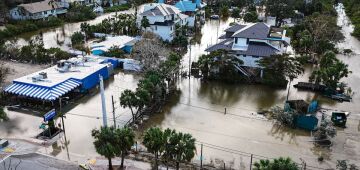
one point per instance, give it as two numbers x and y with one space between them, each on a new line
105 142
280 9
145 23
281 68
125 138
154 141
182 148
235 13
128 99
331 70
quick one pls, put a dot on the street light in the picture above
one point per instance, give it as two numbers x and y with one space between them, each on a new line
60 111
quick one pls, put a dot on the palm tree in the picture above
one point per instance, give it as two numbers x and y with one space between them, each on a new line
128 99
276 164
168 147
125 138
105 141
154 141
182 148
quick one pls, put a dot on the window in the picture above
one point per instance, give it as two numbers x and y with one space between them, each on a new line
164 17
256 56
247 41
236 40
155 27
52 11
238 55
45 12
171 28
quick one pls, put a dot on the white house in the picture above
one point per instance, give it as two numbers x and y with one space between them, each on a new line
188 7
39 10
162 19
252 42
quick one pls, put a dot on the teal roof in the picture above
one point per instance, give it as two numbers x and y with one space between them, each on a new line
186 6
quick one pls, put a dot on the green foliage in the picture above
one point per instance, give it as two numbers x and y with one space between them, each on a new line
218 65
121 24
19 27
235 13
4 71
180 39
105 141
280 68
117 8
3 115
352 8
111 142
280 9
224 11
285 118
78 13
34 53
170 145
115 51
77 38
344 165
251 17
155 140
276 164
326 130
124 140
145 23
331 70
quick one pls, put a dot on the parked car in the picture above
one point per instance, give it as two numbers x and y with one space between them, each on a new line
214 17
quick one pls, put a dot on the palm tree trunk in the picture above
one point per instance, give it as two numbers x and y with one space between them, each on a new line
177 165
110 164
288 92
122 161
156 161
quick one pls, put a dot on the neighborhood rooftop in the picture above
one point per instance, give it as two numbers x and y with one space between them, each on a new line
41 6
159 9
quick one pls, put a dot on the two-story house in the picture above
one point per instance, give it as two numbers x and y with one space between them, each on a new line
252 42
190 8
163 19
39 10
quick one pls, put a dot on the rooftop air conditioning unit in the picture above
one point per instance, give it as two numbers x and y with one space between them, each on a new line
44 75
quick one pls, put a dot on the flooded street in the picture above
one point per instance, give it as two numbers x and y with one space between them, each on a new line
199 109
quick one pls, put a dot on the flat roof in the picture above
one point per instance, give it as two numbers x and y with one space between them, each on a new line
85 67
119 41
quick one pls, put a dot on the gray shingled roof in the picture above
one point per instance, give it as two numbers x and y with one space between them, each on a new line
235 27
259 49
41 6
161 9
256 31
225 45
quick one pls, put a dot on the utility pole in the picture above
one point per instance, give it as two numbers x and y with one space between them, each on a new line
189 58
251 158
103 100
201 156
113 107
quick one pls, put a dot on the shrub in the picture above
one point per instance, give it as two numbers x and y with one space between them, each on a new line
77 38
78 13
116 8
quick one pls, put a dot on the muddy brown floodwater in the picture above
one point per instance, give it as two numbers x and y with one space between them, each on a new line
199 109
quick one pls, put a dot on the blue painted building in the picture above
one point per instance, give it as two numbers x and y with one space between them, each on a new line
76 74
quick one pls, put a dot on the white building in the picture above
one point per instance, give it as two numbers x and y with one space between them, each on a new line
162 19
39 10
250 43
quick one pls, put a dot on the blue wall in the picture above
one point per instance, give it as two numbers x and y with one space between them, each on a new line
92 80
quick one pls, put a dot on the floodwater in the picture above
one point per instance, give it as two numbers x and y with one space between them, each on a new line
199 109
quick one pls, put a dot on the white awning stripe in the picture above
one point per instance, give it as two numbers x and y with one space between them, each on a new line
43 93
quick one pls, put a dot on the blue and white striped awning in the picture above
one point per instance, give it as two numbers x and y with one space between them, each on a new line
42 93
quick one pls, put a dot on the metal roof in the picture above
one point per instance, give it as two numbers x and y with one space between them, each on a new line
155 9
43 93
234 28
258 49
255 31
41 6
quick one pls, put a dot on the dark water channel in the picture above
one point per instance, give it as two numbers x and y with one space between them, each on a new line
199 110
